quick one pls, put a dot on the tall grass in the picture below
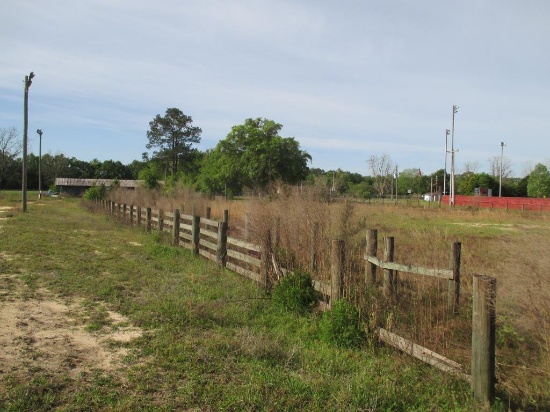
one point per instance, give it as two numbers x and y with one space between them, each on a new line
212 340
511 246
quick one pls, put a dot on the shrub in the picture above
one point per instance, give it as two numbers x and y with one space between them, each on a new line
95 192
341 325
295 293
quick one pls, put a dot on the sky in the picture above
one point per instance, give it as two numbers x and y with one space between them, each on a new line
347 79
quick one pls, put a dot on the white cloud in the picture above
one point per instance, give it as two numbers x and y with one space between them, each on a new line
349 78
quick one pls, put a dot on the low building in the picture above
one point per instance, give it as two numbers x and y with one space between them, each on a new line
76 187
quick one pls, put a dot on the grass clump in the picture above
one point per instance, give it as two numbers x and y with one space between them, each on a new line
341 326
295 293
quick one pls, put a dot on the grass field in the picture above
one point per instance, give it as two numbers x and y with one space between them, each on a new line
199 338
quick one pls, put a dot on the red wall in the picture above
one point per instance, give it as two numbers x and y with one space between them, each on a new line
511 203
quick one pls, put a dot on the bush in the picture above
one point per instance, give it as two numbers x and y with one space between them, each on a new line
295 293
341 325
95 192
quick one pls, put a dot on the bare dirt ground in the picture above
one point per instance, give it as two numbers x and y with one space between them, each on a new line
40 331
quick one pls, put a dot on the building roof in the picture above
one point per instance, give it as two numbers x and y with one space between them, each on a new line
67 181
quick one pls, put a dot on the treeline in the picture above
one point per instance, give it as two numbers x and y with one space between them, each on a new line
252 159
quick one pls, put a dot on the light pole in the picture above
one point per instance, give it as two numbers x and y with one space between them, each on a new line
28 82
39 131
447 132
502 144
452 194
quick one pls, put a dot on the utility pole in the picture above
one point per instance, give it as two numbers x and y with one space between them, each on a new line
39 131
452 194
502 144
28 82
395 175
447 132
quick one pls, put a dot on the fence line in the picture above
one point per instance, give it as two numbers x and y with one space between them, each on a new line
207 237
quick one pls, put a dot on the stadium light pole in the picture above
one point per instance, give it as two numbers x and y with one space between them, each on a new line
39 131
452 194
502 144
28 82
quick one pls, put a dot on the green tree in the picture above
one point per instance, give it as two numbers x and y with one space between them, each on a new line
173 135
413 180
538 183
150 176
468 182
253 155
53 166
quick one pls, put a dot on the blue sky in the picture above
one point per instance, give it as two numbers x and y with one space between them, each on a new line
347 79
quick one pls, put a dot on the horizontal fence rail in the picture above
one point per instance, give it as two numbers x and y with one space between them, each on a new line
208 238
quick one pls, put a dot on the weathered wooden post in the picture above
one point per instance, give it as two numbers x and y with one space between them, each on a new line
247 225
454 283
390 278
195 233
139 217
266 261
176 228
131 214
483 338
124 211
313 247
148 220
372 250
112 207
208 212
160 221
226 217
336 270
222 243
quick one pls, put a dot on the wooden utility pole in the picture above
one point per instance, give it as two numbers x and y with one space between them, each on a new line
28 82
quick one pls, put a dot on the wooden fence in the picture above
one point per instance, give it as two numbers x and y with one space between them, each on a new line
208 238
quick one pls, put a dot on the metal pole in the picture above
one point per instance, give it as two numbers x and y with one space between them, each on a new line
500 179
447 132
39 131
396 175
452 195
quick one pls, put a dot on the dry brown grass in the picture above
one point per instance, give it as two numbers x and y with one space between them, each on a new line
512 247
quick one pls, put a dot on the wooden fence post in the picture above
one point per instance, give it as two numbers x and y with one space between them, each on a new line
161 221
336 270
112 207
139 217
390 278
454 284
208 212
226 217
247 227
124 211
313 247
195 233
483 338
266 261
222 243
131 214
148 220
372 250
176 228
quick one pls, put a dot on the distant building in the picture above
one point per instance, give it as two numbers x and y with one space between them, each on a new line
76 187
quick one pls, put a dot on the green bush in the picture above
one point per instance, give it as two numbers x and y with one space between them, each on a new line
341 325
95 192
295 293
